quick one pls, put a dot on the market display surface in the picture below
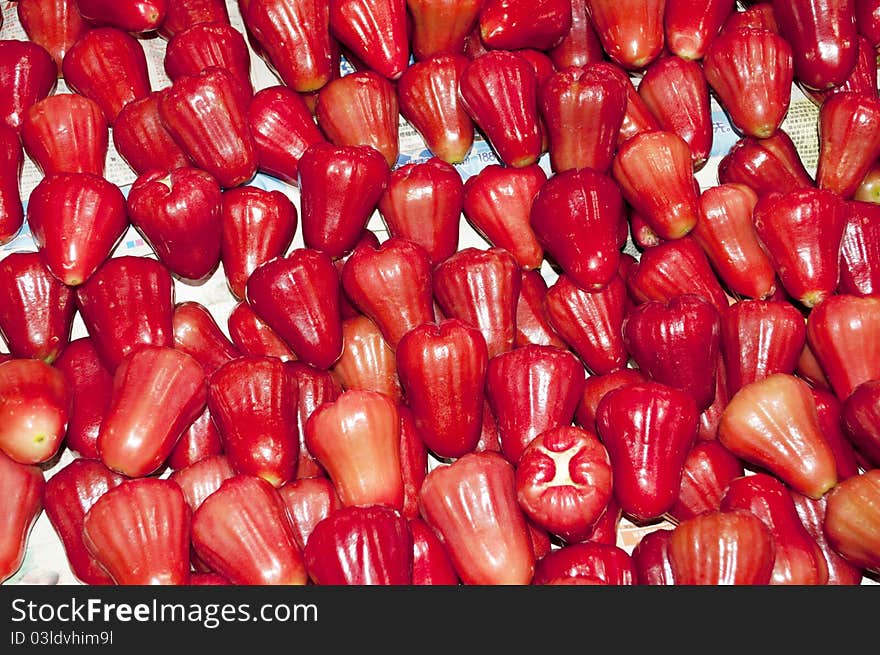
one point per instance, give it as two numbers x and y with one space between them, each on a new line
439 292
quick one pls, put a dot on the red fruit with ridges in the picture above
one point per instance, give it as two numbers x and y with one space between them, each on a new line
765 165
11 164
283 127
139 533
36 309
35 403
140 137
91 387
137 17
862 78
648 429
427 93
802 232
497 203
206 114
312 388
690 25
22 486
758 14
65 133
197 333
471 505
308 501
360 546
631 32
194 49
654 171
751 71
798 560
829 410
199 441
53 24
707 472
812 515
590 322
109 66
242 532
413 461
431 562
580 46
532 317
375 31
772 423
860 415
511 25
185 13
442 369
256 225
27 74
500 93
67 496
530 390
595 388
253 336
849 141
867 13
759 338
127 303
423 203
608 563
860 250
356 438
200 479
852 520
651 558
441 27
367 361
722 548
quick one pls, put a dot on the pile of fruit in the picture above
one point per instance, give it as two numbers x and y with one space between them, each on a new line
402 410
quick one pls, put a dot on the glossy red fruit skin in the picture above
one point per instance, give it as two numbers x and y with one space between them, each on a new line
138 531
91 386
798 561
773 423
765 165
841 332
197 333
423 203
751 72
471 506
829 410
206 114
200 479
608 562
283 127
442 369
27 74
812 515
499 91
22 486
859 414
590 323
802 232
253 405
298 297
142 140
209 44
199 441
253 336
67 496
851 519
137 17
509 25
654 171
53 24
127 303
431 562
677 93
441 27
722 548
308 501
631 33
726 233
35 403
65 133
823 36
676 343
575 217
861 78
340 187
391 284
758 14
860 250
427 93
532 318
360 546
867 14
651 558
707 472
595 388
580 45
36 309
564 481
242 532
759 338
524 401
367 361
185 13
689 26
11 163
648 430
178 214
497 202
480 287
849 141
255 226
312 388
109 66
157 393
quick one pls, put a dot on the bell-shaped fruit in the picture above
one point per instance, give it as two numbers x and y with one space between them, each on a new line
197 333
27 74
375 31
23 486
852 519
441 27
860 250
367 361
631 32
765 165
194 49
253 336
142 140
849 141
53 24
690 25
707 472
